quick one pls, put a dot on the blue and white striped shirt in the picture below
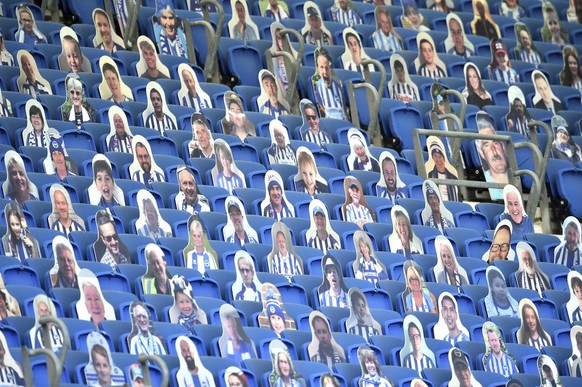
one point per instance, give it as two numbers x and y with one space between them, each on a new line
349 17
166 123
331 98
504 366
148 178
229 183
198 103
418 364
353 213
389 43
508 76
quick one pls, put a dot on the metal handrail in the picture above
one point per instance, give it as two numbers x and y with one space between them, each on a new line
130 33
144 361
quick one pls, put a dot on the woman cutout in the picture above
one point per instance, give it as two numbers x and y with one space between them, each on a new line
92 306
367 266
284 373
17 185
531 331
372 375
571 74
235 121
234 343
529 275
241 26
574 305
76 108
474 91
360 158
402 240
417 297
447 269
356 209
225 174
498 301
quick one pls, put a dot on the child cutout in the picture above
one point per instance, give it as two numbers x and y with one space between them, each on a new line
112 87
323 348
36 131
344 12
185 310
567 253
372 375
544 97
100 371
189 198
367 266
332 291
103 192
9 306
563 146
497 358
30 81
92 306
552 30
521 224
150 223
449 327
448 270
241 26
143 338
519 117
63 217
356 209
199 254
57 161
307 178
525 49
360 158
275 205
28 32
531 331
149 65
108 248
500 68
283 259
416 297
233 376
411 18
284 373
271 101
76 108
435 214
235 121
498 301
415 354
361 322
191 93
329 380
575 361
225 174
482 23
64 273
234 343
191 372
314 31
144 169
202 143
500 248
474 91
280 151
120 136
12 374
105 36
401 87
574 305
529 275
390 186
274 316
237 229
549 376
169 30
385 37
461 375
402 240
72 59
456 42
354 54
320 235
310 129
438 167
18 242
571 74
44 307
428 63
157 115
247 285
156 280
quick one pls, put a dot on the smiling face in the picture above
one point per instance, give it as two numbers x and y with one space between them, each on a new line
236 114
104 183
197 236
168 23
15 225
94 304
275 195
360 309
370 367
572 237
143 158
17 178
184 304
573 65
530 319
280 136
449 314
312 118
514 207
320 223
73 55
277 323
151 215
102 368
112 80
247 272
283 363
447 258
500 245
270 87
103 28
149 56
141 316
402 228
281 243
110 238
235 215
188 186
61 204
494 342
389 173
473 78
427 52
494 153
118 125
309 176
156 100
553 24
463 374
413 280
37 122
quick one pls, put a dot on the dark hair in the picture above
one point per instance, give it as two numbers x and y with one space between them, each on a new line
35 110
102 165
110 67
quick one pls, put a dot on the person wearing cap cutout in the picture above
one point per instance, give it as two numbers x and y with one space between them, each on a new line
58 158
272 105
275 315
328 91
333 290
500 68
563 146
355 211
461 369
280 151
136 375
240 236
440 171
322 240
6 58
189 199
315 34
277 207
436 218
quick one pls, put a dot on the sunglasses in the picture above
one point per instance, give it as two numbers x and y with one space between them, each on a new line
109 238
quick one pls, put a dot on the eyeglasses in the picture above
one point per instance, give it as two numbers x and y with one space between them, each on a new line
109 238
414 336
504 247
311 118
75 92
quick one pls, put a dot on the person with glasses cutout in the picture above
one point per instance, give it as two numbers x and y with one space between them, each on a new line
310 130
501 244
415 354
76 108
108 249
